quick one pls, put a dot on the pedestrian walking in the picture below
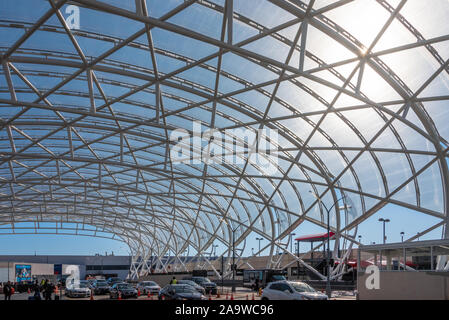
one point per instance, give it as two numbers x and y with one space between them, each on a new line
7 290
48 289
37 291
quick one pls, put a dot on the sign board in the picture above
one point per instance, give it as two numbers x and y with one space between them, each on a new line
57 269
23 272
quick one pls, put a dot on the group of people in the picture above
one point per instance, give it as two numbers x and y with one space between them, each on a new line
8 290
45 287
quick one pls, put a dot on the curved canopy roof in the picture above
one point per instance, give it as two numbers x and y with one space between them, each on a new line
91 92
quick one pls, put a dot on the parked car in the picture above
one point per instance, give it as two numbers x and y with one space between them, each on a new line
264 276
91 281
113 280
146 287
291 290
87 283
209 286
180 292
197 287
78 290
126 290
100 287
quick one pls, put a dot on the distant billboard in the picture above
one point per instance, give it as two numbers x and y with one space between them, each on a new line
57 269
23 272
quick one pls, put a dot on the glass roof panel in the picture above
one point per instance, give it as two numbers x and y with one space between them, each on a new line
89 116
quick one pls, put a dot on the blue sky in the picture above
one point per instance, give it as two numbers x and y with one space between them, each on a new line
59 245
401 220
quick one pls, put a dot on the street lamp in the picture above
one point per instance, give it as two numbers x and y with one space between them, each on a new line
360 239
402 236
384 221
252 251
259 239
233 249
214 246
291 242
328 282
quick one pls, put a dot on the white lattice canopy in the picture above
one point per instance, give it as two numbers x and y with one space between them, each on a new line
90 92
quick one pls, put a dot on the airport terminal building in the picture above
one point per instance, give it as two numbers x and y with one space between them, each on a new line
42 265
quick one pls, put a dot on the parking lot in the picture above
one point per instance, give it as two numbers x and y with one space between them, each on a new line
240 294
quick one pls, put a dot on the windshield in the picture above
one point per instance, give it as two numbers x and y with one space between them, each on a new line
82 285
123 286
201 279
101 283
184 289
189 282
149 283
278 278
302 287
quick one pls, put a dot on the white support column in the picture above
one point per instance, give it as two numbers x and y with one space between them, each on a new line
229 17
158 101
360 76
99 176
9 81
91 91
302 53
121 146
69 134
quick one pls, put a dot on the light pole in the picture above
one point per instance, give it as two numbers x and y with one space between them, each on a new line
252 251
259 239
360 239
291 242
214 246
233 249
402 236
328 282
297 262
384 221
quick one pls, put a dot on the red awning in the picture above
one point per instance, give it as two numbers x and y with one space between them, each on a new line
353 263
366 263
315 237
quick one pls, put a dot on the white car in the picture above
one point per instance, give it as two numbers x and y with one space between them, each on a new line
80 290
291 290
146 287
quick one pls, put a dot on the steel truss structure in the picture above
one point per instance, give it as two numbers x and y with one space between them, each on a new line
87 114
